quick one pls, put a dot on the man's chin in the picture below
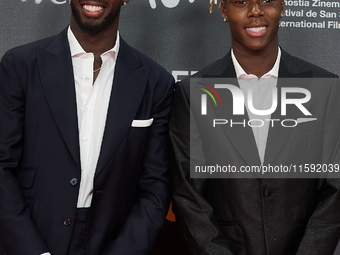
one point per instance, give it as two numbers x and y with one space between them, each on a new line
91 28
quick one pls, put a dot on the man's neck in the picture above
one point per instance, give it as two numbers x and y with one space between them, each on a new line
256 62
96 43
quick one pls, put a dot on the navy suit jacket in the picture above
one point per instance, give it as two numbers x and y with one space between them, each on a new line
39 153
258 216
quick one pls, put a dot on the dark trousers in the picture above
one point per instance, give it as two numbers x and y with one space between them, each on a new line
77 243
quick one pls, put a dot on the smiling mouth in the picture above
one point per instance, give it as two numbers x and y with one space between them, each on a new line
92 8
256 29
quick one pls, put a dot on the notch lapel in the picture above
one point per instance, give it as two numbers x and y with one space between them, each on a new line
242 138
279 135
56 72
128 88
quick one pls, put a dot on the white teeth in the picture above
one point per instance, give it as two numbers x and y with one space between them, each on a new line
256 29
92 8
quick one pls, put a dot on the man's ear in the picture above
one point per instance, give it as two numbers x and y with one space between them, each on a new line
223 11
282 8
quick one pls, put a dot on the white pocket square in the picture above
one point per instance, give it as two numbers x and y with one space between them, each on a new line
301 120
142 123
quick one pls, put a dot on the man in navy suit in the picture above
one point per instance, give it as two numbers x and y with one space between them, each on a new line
83 141
256 215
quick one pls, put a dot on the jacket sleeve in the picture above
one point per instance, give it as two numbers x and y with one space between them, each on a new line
193 212
322 233
18 233
147 215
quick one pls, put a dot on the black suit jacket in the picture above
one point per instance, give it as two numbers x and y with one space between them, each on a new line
39 153
257 216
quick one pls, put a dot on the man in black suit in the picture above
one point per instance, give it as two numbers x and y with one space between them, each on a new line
83 141
257 216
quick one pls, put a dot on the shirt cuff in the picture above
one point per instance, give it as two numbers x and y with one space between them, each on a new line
46 253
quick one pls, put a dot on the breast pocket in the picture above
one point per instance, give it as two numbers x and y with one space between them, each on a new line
139 131
140 127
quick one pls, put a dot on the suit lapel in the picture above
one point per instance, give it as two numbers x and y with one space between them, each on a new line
241 137
128 88
56 72
279 135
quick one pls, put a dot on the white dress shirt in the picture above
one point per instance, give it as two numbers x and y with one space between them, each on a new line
262 90
92 105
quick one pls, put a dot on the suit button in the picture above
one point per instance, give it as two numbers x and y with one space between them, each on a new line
67 222
267 193
74 181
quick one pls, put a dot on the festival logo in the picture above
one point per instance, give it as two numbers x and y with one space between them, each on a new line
167 3
153 3
53 1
